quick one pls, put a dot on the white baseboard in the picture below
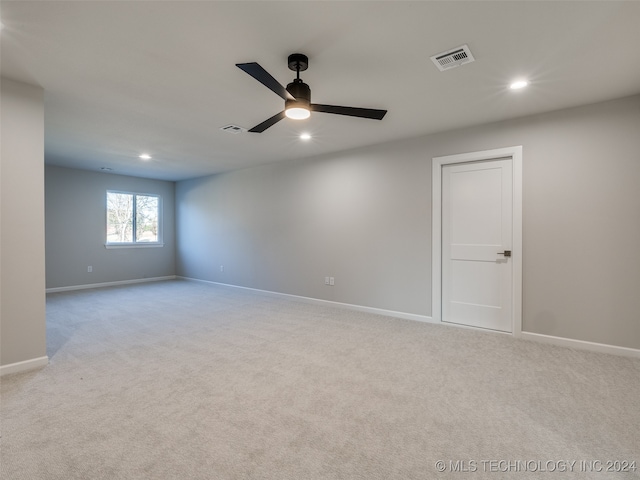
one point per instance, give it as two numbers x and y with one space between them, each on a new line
24 365
581 344
537 337
317 301
109 284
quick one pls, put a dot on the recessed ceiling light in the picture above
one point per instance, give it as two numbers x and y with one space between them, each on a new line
519 84
305 136
145 156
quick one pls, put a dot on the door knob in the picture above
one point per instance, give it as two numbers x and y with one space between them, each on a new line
506 253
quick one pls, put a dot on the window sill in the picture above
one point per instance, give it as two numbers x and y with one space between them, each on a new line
109 246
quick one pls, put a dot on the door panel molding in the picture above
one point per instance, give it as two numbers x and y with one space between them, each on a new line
515 155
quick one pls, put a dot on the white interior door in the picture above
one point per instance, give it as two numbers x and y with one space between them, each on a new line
477 206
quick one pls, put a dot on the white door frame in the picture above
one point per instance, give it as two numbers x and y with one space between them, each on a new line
515 154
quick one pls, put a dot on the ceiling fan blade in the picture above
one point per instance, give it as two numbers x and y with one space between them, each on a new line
265 78
268 123
350 111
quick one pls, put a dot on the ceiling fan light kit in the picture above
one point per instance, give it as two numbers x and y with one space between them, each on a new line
297 111
297 95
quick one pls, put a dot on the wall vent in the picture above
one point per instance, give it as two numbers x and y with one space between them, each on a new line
453 58
233 129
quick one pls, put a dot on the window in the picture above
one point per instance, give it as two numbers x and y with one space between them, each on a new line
133 219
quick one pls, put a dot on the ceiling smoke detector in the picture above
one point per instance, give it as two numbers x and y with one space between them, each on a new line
452 58
233 129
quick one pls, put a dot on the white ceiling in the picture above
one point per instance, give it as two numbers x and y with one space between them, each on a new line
121 78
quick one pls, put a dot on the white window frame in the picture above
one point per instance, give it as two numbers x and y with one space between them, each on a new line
134 244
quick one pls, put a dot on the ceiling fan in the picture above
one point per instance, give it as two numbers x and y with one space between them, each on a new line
297 95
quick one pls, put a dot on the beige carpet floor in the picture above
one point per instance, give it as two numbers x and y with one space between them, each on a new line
185 380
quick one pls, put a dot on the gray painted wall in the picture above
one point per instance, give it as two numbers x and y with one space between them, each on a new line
76 229
364 217
22 278
361 218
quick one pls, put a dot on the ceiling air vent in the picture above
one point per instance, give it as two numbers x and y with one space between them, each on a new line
453 58
233 129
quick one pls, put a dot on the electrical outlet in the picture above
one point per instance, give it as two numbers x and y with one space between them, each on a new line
332 281
222 268
89 269
326 280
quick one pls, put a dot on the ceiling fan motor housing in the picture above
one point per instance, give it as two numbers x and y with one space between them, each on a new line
301 94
